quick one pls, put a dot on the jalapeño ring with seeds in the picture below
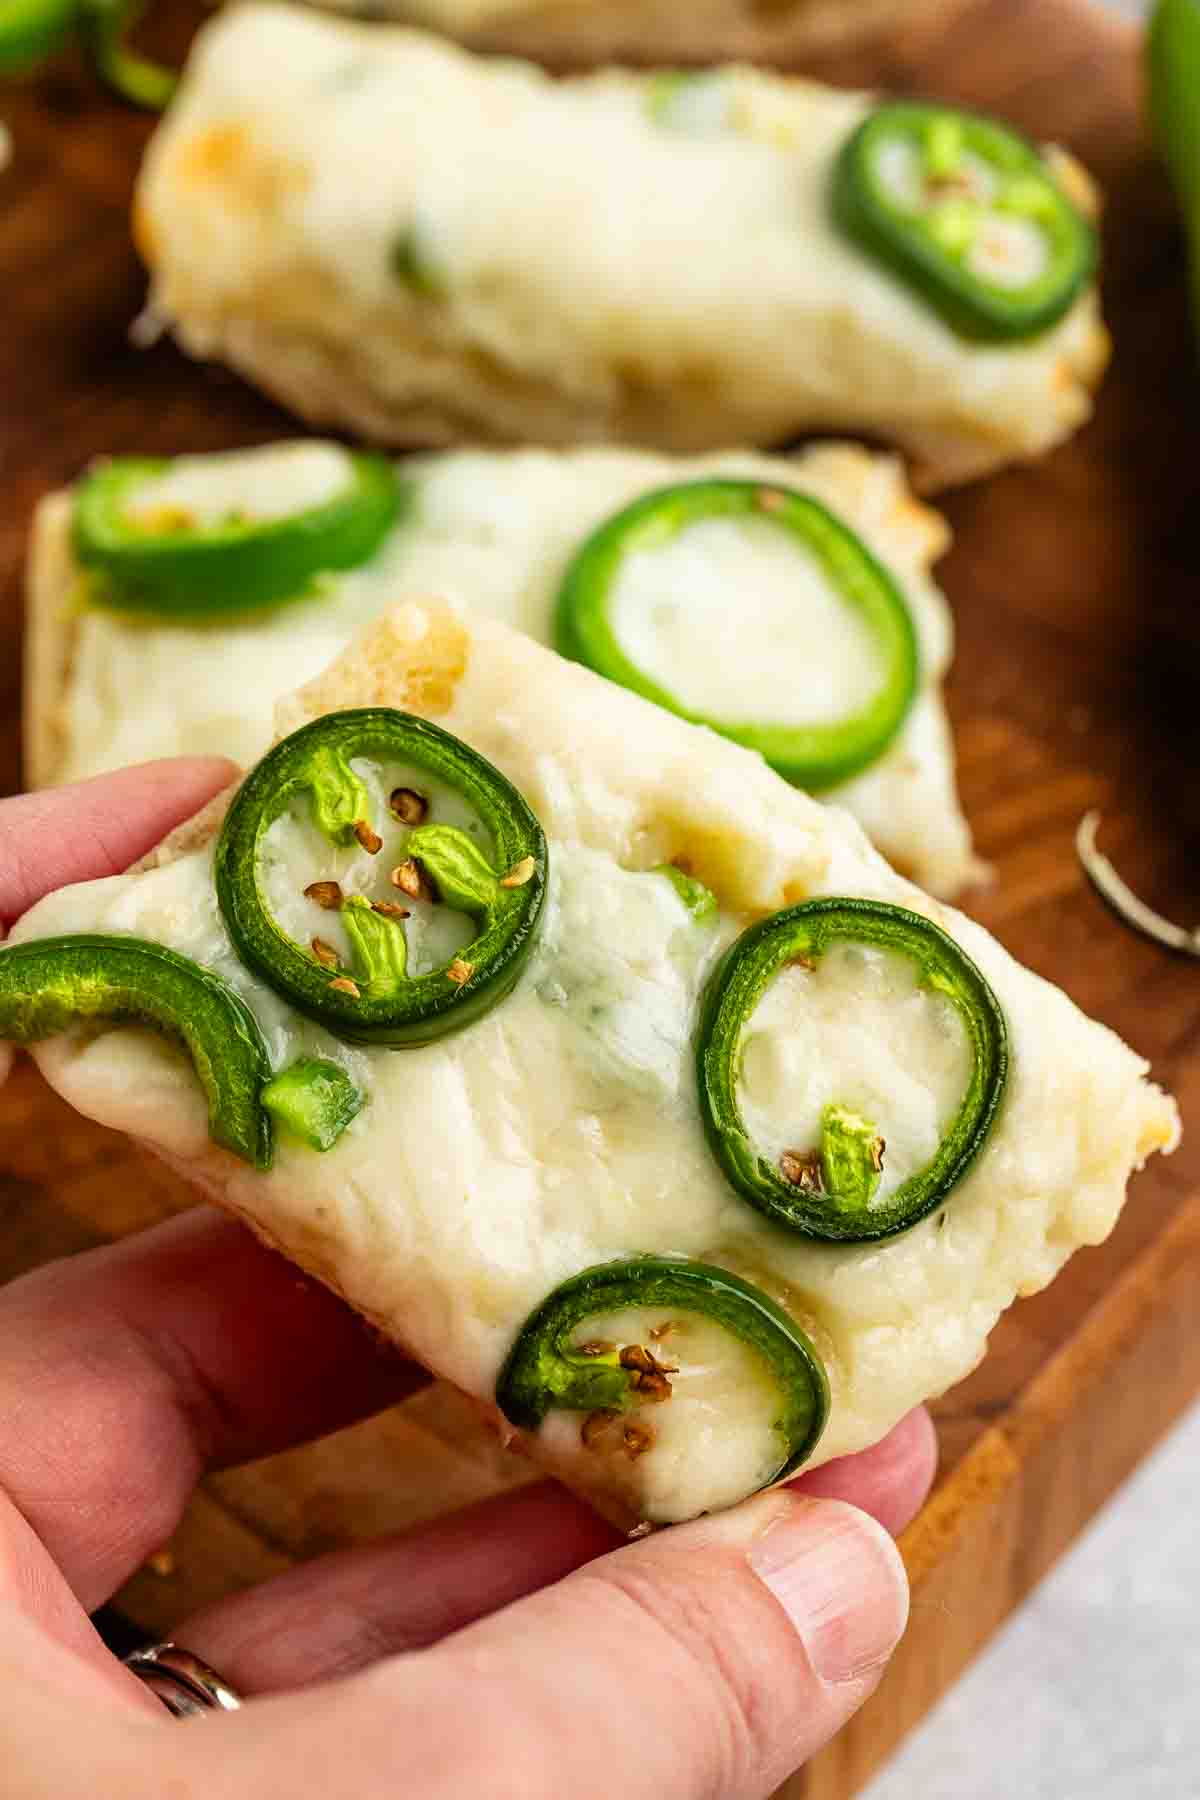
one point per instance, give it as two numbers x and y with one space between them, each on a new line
543 1372
970 176
830 1197
382 1003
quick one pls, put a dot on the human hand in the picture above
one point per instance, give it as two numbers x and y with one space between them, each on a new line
510 1650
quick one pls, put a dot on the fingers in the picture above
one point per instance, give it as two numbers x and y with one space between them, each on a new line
343 1612
729 1650
890 1481
128 1371
43 1628
125 1372
709 1660
98 827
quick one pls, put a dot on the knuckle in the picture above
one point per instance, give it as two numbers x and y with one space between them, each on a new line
415 1701
708 1643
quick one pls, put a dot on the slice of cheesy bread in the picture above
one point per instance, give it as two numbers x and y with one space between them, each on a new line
394 236
561 1130
495 531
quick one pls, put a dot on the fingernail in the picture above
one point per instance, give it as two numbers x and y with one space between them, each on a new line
839 1578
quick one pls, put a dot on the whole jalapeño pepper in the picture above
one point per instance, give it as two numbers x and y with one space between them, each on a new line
32 30
1173 70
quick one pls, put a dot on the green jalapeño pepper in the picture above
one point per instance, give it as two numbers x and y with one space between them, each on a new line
48 985
968 214
31 30
103 28
699 102
699 901
813 756
550 1368
377 1000
411 262
1173 68
829 1191
159 559
315 1099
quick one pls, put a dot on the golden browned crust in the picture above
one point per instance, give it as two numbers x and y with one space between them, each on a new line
51 615
491 682
578 34
320 383
192 834
413 656
395 665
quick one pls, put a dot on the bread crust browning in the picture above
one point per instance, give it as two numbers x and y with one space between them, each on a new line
446 403
80 661
608 773
578 34
259 260
51 578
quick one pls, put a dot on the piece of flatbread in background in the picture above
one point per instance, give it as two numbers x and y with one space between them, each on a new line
426 247
492 531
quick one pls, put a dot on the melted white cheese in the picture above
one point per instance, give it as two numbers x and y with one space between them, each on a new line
296 854
558 1129
856 1031
710 297
738 622
494 532
702 1449
1009 251
562 1130
262 485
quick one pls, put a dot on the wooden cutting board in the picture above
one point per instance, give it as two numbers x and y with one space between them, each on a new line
1075 586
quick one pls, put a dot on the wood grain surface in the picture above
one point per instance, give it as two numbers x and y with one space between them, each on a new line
1074 584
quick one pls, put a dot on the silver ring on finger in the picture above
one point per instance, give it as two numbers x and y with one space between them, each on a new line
185 1685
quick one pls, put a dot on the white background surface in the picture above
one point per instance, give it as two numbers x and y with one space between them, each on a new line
1092 1691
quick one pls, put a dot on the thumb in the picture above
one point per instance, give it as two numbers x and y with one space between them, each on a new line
97 827
709 1661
